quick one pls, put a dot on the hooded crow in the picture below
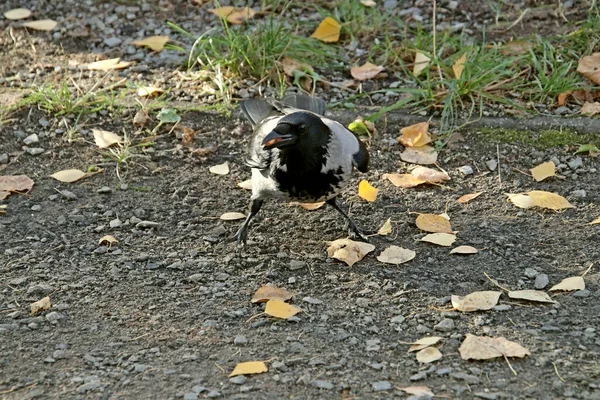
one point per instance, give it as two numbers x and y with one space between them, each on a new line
298 154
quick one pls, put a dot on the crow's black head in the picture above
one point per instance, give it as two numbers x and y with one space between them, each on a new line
300 129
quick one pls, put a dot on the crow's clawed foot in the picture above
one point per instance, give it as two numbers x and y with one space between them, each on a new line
356 233
240 237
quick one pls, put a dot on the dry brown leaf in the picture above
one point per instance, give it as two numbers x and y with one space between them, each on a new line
569 284
424 342
149 91
234 15
442 239
464 250
14 183
423 155
40 305
428 355
589 66
419 391
107 240
266 293
312 206
108 65
386 228
248 368
68 175
396 255
468 197
590 109
416 135
366 71
105 139
433 223
516 48
484 300
429 175
403 180
41 25
279 309
220 169
155 43
485 348
543 171
247 184
17 13
421 63
366 191
232 216
349 251
549 200
459 66
290 66
328 31
520 200
530 295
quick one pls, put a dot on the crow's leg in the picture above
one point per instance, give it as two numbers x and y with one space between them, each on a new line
242 233
351 224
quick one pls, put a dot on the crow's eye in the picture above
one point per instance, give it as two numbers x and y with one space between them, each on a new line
302 128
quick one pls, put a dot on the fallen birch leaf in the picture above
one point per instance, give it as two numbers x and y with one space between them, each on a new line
423 155
419 391
279 309
386 228
366 71
424 342
366 191
220 169
459 66
14 183
17 13
266 293
468 197
368 3
247 184
569 284
234 15
543 171
433 223
429 175
311 206
328 31
428 355
105 139
520 200
596 221
484 300
110 64
149 91
415 135
107 240
485 348
248 368
421 63
589 66
155 43
549 200
40 305
530 295
464 250
396 255
41 25
349 251
403 180
442 239
68 175
232 216
590 109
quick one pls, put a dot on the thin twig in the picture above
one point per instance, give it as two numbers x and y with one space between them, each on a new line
510 366
496 283
139 337
498 162
221 368
517 20
557 374
587 270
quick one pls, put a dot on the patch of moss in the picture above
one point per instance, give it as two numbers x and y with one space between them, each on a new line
544 139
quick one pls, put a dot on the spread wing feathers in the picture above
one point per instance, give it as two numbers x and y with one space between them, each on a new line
257 110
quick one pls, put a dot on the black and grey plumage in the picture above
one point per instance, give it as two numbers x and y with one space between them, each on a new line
298 154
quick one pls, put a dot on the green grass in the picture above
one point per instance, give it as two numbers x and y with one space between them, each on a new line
545 139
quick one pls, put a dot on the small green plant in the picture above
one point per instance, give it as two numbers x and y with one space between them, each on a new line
122 153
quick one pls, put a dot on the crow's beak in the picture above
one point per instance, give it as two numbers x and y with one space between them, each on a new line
276 139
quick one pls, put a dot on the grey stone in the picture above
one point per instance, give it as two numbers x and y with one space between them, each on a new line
34 151
104 190
190 396
115 223
530 272
492 164
575 163
582 293
579 193
41 289
541 281
31 139
466 170
240 340
312 300
321 384
140 367
502 307
381 386
112 41
195 278
213 394
54 317
86 387
470 379
296 264
147 225
4 158
238 380
36 207
418 376
445 325
398 319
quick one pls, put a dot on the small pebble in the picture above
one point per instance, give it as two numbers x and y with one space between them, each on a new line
445 325
541 281
492 164
321 384
381 386
466 170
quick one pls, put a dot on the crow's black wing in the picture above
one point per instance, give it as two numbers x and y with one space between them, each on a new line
308 103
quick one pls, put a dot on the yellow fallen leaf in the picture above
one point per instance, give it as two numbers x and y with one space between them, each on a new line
520 200
107 240
442 239
463 250
429 175
247 184
232 216
415 135
234 15
419 391
149 91
485 348
248 368
279 309
40 305
41 25
423 155
433 223
423 343
530 295
368 3
468 197
386 228
366 191
543 171
349 251
266 293
68 175
110 64
569 284
105 139
328 31
596 221
428 355
403 180
17 13
155 43
484 300
366 71
396 255
220 169
14 183
311 206
459 66
549 200
421 63
589 66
